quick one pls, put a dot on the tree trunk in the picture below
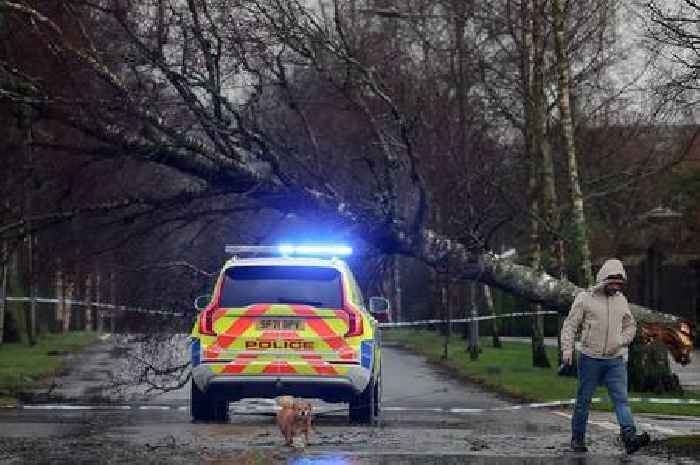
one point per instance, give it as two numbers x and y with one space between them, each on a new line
88 297
60 296
98 299
649 370
396 275
69 292
495 334
474 324
4 257
580 242
30 311
535 106
447 326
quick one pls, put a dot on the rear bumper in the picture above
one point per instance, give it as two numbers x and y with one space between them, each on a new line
339 388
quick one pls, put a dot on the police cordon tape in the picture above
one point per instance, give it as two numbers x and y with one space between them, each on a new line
82 303
465 320
257 407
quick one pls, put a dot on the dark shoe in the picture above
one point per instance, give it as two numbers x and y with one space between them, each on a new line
643 439
578 442
631 441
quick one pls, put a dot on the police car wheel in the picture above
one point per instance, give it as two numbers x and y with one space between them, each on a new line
378 396
220 410
362 407
201 405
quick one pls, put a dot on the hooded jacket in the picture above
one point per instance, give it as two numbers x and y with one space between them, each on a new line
606 323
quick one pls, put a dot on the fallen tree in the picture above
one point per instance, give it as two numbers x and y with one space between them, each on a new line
220 147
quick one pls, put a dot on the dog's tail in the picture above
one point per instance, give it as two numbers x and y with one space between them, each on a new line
285 401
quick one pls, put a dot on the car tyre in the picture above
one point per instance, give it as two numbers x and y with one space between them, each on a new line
378 397
200 407
204 407
220 413
363 406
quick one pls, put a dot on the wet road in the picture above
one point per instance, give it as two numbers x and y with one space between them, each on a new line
428 419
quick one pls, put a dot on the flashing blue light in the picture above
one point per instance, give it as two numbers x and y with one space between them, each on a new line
316 250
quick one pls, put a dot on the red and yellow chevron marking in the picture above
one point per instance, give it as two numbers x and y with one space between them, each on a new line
300 365
238 365
237 347
334 340
321 367
240 324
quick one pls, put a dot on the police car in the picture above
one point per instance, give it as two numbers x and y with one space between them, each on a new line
286 320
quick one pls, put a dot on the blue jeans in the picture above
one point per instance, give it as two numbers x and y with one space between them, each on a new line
612 373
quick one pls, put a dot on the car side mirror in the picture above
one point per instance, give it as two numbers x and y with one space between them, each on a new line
201 302
379 308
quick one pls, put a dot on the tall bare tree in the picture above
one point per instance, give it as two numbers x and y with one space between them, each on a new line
580 236
165 109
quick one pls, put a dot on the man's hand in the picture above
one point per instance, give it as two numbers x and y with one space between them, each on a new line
567 357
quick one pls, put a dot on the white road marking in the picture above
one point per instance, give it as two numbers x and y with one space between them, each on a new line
603 424
75 407
466 410
614 427
610 426
659 429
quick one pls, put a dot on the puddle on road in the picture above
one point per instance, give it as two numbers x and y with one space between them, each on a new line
570 459
400 459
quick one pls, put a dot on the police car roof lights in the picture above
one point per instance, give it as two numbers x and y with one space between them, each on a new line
286 250
315 250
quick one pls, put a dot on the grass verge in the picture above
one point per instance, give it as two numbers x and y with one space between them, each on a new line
678 446
509 371
22 366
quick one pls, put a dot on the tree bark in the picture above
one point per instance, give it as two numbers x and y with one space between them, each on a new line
535 108
580 242
649 369
474 324
4 257
447 324
88 298
69 292
98 298
59 292
396 275
30 310
495 331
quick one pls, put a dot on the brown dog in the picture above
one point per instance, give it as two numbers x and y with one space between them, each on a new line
294 417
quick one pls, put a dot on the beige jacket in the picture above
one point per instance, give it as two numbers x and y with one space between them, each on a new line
606 323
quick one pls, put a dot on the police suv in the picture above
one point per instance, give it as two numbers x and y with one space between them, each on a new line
286 320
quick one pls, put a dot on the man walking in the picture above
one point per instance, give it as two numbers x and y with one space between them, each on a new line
607 326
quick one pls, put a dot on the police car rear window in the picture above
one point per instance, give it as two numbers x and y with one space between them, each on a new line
248 285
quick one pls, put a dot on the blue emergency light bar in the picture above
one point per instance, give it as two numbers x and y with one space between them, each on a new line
307 250
316 250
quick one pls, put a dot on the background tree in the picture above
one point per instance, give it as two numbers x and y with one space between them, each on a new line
189 93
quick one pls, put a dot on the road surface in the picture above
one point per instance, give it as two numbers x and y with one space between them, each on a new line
428 418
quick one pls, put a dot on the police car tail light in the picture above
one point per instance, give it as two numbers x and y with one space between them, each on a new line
206 322
355 325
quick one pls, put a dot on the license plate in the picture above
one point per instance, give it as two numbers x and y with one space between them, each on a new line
289 325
